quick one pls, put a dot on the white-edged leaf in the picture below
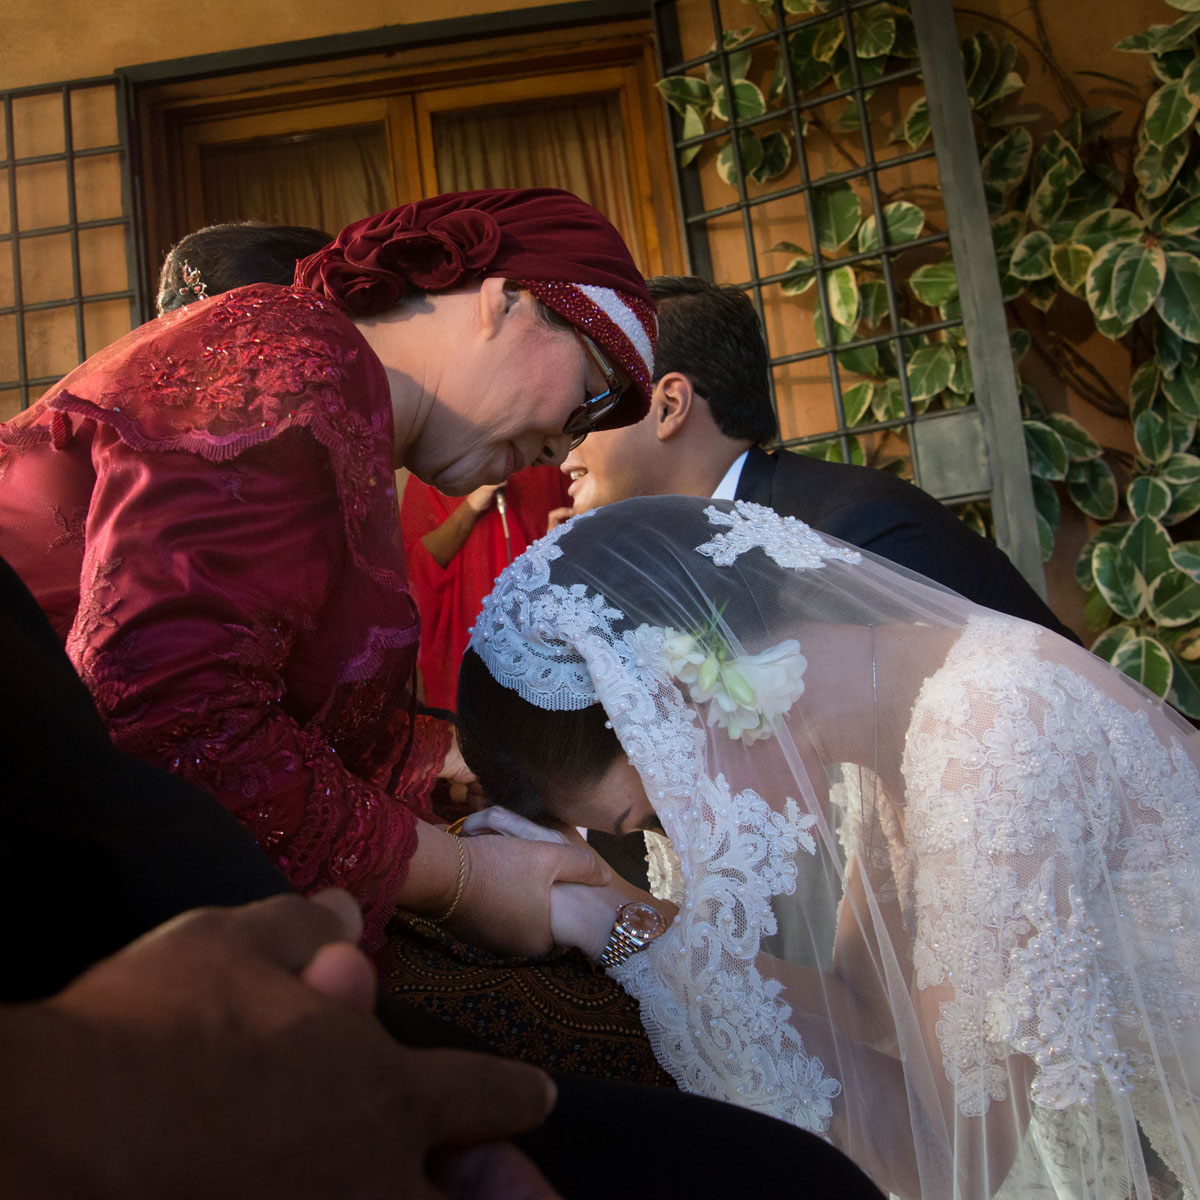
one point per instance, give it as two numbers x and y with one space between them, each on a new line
1146 660
844 305
837 213
1178 301
1031 256
1137 279
935 283
902 221
1148 497
930 369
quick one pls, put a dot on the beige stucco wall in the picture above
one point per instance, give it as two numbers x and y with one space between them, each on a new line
74 39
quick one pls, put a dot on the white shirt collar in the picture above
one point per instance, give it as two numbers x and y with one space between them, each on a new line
727 488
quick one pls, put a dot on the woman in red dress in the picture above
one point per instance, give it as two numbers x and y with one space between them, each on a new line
206 511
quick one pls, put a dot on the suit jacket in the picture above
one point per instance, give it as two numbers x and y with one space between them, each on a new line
890 517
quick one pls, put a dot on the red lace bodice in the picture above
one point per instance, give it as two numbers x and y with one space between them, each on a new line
207 512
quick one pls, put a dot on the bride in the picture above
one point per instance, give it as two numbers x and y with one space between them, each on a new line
925 878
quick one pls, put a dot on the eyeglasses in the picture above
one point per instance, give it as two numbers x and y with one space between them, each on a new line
592 411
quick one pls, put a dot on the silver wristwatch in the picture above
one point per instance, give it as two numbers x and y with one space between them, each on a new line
635 927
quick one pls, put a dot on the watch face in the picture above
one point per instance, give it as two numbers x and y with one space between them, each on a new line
640 920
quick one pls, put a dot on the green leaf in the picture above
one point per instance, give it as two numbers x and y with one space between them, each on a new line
837 213
1096 612
1184 218
1007 231
1031 257
916 123
1081 446
1048 457
1092 488
874 31
902 221
808 71
1160 38
1120 582
1186 557
1185 5
1107 644
1191 78
693 126
683 93
1049 510
874 300
1146 660
1184 693
1183 430
1181 473
1152 437
828 39
963 380
1169 113
930 369
1148 497
1098 288
777 157
1155 167
801 275
1107 226
935 283
1137 280
1184 391
1007 162
1178 302
1171 65
861 360
1143 388
752 156
1149 547
1071 262
856 401
1105 535
748 101
1174 600
738 62
844 304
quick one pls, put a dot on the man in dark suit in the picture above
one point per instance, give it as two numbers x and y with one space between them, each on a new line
711 413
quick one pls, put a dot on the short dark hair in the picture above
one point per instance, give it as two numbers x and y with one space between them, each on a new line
712 335
235 254
522 755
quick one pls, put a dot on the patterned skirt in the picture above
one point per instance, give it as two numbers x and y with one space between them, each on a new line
560 1012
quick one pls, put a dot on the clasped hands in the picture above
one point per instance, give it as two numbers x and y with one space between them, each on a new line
581 890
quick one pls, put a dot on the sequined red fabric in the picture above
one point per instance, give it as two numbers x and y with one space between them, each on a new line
206 510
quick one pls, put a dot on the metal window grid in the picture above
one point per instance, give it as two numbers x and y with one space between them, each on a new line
985 436
19 235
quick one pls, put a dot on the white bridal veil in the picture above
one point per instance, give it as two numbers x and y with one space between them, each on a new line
937 868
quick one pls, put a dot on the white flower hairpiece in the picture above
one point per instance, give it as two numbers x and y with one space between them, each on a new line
744 692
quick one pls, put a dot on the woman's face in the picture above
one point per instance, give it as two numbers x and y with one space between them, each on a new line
503 404
614 803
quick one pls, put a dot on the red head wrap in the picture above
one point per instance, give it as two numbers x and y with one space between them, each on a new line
549 241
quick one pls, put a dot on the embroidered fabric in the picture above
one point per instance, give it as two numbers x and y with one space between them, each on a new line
206 510
945 914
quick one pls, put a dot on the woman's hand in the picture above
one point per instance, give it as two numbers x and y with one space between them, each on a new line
505 902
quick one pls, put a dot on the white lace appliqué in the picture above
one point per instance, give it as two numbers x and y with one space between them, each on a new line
1018 906
786 540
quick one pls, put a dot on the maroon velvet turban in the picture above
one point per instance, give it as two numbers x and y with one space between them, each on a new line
550 242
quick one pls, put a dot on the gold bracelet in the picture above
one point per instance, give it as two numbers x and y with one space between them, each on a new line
462 879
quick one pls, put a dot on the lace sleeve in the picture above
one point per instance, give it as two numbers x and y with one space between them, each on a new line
207 592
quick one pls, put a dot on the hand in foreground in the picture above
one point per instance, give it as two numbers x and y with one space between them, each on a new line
231 1053
506 897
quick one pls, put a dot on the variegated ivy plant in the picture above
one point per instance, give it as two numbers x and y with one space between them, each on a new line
1073 213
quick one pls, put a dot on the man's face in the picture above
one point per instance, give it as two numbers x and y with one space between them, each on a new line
615 464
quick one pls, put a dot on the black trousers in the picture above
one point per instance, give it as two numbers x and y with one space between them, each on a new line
96 848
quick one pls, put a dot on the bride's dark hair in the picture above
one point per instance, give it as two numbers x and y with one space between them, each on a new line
524 756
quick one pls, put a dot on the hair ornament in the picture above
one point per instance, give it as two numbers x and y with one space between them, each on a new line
192 282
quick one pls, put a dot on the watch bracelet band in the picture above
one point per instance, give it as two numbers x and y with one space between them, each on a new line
620 946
